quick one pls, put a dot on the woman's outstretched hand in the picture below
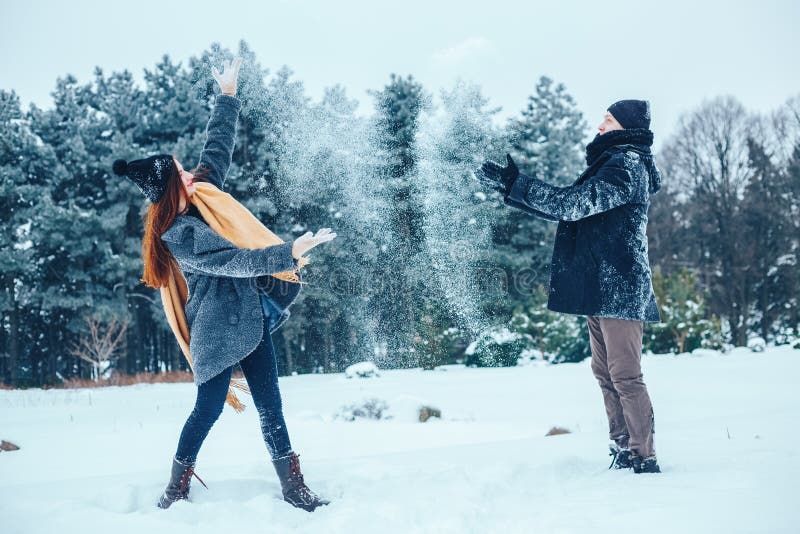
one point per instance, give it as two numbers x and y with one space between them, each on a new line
230 75
310 240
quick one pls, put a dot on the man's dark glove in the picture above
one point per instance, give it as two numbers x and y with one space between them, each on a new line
499 178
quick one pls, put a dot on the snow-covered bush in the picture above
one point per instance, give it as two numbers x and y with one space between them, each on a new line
498 347
362 370
756 344
367 409
557 337
787 336
684 326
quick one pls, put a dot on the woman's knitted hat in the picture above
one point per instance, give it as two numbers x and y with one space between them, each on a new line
149 174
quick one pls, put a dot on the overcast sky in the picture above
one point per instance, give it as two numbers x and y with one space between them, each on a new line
673 53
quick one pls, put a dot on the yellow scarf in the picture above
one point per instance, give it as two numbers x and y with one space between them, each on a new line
228 218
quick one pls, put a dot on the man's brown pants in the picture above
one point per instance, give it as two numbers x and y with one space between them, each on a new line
617 364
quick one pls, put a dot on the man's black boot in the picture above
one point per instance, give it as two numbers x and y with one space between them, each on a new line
645 465
620 457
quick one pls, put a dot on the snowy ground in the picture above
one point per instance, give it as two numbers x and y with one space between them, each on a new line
726 434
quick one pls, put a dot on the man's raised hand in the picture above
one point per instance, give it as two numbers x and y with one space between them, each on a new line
497 177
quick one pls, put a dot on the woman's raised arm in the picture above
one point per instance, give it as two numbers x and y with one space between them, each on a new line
217 152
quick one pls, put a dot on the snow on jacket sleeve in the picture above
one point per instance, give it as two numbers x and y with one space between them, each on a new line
527 209
220 139
610 187
204 251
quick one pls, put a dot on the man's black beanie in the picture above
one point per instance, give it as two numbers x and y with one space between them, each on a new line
631 113
149 174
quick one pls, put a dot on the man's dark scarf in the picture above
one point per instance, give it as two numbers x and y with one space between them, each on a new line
642 138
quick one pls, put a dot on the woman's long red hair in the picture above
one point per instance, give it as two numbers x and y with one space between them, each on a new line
160 216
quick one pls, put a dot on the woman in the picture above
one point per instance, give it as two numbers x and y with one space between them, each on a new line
234 303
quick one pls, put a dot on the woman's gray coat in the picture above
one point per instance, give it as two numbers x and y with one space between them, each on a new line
230 290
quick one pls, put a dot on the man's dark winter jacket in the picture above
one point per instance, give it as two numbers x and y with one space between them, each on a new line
600 263
228 285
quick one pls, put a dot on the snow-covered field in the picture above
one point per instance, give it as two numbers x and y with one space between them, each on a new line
95 460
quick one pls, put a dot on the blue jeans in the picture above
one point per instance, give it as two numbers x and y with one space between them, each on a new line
260 369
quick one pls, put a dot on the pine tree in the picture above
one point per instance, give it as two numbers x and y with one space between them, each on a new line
26 164
458 275
398 106
792 173
770 239
77 223
684 325
557 337
546 141
144 122
547 138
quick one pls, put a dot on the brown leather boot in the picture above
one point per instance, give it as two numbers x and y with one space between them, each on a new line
295 491
178 486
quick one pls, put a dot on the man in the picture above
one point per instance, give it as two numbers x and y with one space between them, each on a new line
600 266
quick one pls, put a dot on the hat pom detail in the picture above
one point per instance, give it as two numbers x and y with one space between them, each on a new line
120 167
